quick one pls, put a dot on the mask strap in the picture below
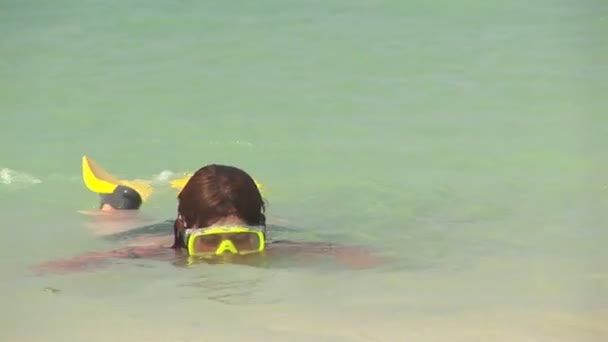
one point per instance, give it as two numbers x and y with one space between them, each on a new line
181 218
181 234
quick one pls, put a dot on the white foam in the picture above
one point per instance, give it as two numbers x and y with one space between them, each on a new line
8 177
167 176
164 176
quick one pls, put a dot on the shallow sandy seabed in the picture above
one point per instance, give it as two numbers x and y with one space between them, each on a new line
104 323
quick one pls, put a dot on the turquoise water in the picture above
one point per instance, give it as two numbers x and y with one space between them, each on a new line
464 141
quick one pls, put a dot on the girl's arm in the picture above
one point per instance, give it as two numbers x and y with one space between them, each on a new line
354 257
87 261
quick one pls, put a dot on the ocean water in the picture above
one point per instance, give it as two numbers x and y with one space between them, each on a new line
463 141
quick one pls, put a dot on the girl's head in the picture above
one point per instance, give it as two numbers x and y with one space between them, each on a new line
219 194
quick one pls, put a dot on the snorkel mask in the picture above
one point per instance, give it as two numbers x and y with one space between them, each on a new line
218 240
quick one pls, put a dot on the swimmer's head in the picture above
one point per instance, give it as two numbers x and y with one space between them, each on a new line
219 194
122 198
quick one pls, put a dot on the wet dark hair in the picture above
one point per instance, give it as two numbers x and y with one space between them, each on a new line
216 192
123 197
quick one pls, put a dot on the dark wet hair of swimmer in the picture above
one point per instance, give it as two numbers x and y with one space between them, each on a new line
123 198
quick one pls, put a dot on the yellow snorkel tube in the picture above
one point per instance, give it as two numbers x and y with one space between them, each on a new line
111 189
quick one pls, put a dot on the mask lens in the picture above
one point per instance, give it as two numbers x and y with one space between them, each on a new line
207 243
246 241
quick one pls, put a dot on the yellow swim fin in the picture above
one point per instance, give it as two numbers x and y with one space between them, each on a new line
97 179
179 183
100 181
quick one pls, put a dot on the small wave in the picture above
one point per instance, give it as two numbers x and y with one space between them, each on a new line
164 176
234 142
8 177
168 176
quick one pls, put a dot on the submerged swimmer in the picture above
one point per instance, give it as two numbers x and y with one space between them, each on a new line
114 194
221 213
119 200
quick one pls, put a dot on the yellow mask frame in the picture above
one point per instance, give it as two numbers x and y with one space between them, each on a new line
226 245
